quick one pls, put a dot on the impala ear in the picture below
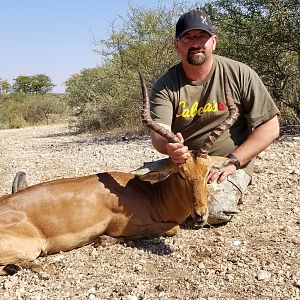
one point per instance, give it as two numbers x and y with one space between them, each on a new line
19 182
154 176
155 171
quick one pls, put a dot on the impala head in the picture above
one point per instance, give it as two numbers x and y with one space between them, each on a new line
196 169
197 166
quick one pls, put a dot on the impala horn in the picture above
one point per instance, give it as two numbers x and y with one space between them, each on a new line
227 123
147 120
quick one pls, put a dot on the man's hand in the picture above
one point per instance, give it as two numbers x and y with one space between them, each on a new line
221 174
177 151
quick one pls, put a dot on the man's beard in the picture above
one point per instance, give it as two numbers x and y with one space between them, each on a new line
195 59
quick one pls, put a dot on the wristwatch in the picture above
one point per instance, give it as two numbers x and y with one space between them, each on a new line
234 160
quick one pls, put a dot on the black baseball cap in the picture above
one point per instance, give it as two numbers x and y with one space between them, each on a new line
194 19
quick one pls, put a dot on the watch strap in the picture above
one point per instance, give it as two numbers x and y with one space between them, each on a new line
234 160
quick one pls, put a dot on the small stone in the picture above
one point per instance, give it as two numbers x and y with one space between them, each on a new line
92 296
263 275
257 169
130 297
296 284
7 285
94 252
44 276
236 243
59 258
92 290
37 297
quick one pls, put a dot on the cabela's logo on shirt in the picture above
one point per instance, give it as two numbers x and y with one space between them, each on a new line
185 112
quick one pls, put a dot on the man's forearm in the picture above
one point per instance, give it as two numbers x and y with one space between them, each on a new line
159 143
260 138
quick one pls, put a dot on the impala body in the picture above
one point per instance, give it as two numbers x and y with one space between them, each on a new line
64 214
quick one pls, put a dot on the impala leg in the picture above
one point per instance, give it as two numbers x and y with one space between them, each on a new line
173 231
11 269
105 240
16 252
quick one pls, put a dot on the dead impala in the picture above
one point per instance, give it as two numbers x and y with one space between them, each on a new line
64 214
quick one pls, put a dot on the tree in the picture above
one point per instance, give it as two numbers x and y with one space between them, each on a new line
40 83
22 84
97 99
4 86
40 108
19 109
145 41
264 34
109 96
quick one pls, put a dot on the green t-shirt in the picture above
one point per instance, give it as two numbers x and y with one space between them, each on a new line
195 108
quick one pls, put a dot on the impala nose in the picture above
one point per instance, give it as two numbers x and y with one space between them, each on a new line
200 218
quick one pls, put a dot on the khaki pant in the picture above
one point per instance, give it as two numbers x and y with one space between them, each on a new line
224 198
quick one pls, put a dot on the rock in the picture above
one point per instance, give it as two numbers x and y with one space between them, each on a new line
236 243
130 297
263 275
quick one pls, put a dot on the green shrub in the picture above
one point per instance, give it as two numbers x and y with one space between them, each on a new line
19 109
40 109
11 114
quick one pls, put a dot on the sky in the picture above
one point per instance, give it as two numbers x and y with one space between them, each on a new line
56 37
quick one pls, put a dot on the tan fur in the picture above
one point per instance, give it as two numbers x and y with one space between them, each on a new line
64 214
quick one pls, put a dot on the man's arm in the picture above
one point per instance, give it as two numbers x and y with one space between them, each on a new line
260 138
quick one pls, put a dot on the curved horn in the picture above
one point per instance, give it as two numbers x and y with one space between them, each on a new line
217 132
147 120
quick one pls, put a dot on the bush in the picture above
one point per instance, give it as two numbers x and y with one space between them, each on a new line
287 117
11 114
107 115
19 109
41 109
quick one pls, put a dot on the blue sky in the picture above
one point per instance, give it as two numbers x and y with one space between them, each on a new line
55 37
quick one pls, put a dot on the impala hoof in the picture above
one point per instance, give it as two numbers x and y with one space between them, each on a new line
11 269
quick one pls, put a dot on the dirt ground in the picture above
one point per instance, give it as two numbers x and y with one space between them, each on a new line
256 256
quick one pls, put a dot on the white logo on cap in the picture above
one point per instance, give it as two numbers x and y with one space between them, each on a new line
204 21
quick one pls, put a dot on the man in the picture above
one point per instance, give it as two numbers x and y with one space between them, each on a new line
189 99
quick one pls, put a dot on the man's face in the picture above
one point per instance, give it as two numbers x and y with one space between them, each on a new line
196 46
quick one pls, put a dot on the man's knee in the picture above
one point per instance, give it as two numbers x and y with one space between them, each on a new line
224 198
223 205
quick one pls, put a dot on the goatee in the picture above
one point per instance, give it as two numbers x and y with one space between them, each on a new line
193 59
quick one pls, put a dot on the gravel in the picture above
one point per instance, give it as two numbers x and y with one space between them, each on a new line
256 256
